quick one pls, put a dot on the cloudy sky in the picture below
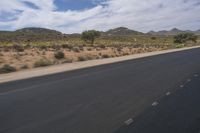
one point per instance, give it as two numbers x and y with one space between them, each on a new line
70 16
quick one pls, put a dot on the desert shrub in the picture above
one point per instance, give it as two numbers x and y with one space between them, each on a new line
81 48
179 46
7 69
18 48
6 49
43 47
105 56
90 36
125 53
185 37
87 57
119 49
56 47
82 58
27 46
59 55
153 38
24 66
102 46
91 57
43 62
98 49
68 60
137 45
89 49
76 49
65 46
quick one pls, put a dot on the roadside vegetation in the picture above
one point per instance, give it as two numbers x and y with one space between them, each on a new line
7 69
20 51
185 38
90 36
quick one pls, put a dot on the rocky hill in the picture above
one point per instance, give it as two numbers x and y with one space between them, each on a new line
173 31
122 31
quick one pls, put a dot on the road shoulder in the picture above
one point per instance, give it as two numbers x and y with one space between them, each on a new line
37 72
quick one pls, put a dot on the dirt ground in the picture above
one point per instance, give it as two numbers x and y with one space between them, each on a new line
27 57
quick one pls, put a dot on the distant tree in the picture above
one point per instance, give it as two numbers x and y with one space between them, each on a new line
184 37
153 38
90 36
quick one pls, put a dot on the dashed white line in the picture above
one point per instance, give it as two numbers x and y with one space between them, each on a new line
129 121
181 86
168 93
188 80
154 103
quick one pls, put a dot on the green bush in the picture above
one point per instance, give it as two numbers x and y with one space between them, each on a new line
184 37
42 63
179 46
59 55
7 69
90 36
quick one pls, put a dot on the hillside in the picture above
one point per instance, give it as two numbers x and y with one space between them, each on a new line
33 34
30 34
173 31
121 31
33 30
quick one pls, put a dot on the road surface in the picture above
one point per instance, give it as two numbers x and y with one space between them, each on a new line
93 100
177 112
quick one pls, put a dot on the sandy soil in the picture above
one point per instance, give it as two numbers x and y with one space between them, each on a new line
29 56
77 65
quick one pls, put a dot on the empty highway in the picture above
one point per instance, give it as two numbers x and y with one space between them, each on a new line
177 112
98 99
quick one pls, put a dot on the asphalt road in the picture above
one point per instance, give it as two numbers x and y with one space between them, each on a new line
177 112
93 100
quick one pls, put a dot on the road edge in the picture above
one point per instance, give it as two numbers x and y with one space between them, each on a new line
38 72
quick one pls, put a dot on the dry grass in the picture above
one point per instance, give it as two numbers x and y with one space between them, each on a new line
24 56
27 58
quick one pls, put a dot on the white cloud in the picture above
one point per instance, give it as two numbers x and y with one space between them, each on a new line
142 15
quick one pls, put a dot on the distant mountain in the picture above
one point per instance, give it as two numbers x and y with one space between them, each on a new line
42 34
33 30
30 34
197 32
173 31
5 31
121 31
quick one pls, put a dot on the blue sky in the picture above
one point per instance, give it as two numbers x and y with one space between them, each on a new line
70 16
64 5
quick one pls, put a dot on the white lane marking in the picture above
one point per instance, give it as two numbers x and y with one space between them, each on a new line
129 121
181 86
154 103
168 93
188 80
